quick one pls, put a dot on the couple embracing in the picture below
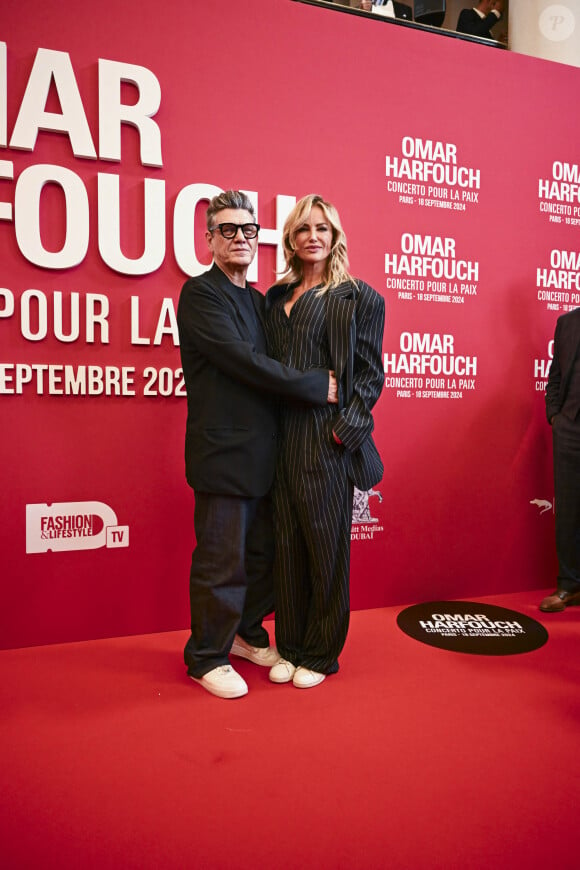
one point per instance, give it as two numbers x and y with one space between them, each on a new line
280 391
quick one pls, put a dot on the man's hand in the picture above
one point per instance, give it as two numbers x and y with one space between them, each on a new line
332 389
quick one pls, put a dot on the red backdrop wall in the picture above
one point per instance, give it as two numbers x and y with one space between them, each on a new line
448 162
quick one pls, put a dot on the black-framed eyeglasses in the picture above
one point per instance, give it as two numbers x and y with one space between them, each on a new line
230 231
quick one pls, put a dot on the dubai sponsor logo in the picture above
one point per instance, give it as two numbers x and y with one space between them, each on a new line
82 525
364 525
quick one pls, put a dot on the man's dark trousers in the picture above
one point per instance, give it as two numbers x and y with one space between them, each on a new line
566 441
231 574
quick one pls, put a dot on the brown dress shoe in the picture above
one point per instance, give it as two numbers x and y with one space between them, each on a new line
560 600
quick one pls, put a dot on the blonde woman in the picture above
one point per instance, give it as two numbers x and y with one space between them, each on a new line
318 315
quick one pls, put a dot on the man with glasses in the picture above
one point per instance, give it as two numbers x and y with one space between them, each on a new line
233 387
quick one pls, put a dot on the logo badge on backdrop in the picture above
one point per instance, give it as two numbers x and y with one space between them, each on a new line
73 525
557 22
472 627
543 505
365 525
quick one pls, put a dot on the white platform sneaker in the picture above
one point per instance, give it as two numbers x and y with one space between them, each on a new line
304 678
223 682
282 672
264 656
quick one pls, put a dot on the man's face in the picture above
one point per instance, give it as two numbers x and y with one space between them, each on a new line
232 254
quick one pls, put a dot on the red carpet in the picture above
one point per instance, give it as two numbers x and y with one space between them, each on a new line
410 757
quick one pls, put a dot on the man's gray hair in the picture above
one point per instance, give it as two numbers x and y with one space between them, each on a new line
228 199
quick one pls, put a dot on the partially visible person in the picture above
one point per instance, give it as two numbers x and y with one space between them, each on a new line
563 412
393 9
230 449
365 5
479 20
318 315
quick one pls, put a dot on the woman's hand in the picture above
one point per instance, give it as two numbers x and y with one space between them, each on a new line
332 389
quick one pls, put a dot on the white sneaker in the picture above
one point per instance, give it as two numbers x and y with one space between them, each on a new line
265 656
282 672
224 682
304 678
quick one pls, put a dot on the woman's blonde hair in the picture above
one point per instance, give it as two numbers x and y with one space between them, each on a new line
336 271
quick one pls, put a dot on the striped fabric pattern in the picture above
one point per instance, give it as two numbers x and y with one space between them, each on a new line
313 491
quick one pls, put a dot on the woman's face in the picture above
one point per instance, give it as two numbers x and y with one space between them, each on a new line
313 239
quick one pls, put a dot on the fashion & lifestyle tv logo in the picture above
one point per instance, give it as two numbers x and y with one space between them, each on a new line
84 525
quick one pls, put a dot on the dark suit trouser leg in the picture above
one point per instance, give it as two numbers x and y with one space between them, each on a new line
312 567
566 441
260 584
226 527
